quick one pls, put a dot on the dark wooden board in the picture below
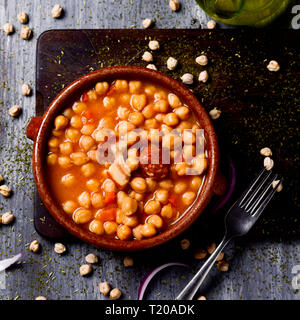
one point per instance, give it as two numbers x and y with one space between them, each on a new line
259 108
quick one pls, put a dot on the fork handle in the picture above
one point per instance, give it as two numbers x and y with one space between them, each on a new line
192 287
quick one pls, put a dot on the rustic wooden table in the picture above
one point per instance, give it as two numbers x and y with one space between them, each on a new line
259 269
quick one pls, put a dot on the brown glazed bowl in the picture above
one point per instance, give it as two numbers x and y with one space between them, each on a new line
39 130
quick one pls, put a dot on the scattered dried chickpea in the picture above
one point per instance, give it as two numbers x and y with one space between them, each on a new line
60 248
8 28
40 298
34 246
215 114
128 261
104 288
5 190
147 23
185 244
174 5
201 298
151 66
223 266
56 11
211 24
187 78
203 76
1 178
85 269
23 17
14 111
153 45
26 90
91 258
220 257
266 152
275 184
268 163
26 33
115 294
202 60
172 63
211 247
200 254
273 66
7 217
147 56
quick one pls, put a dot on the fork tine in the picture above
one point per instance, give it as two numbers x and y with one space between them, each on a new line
261 195
261 208
263 174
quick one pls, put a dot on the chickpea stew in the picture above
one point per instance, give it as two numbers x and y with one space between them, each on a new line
126 160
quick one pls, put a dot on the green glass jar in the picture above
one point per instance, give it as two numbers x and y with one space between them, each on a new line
256 13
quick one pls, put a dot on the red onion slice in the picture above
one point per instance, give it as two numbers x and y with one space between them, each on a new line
151 275
230 190
4 264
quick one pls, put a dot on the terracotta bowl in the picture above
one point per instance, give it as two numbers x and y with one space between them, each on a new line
39 130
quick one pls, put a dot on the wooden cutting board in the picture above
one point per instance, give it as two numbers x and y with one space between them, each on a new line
259 108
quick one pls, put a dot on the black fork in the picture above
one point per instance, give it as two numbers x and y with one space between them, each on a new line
238 221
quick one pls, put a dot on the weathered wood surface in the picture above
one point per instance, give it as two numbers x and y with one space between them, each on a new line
259 269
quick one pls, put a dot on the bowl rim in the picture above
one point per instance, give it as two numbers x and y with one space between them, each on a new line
134 73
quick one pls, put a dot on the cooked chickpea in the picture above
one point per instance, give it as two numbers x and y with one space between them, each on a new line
52 159
183 113
148 111
86 143
76 122
174 101
160 95
60 122
121 85
136 118
92 95
93 185
150 90
188 152
156 220
132 163
196 183
88 169
79 158
139 101
124 232
53 142
73 134
131 137
188 197
68 180
68 113
181 168
184 125
129 206
66 148
161 106
139 185
96 227
167 211
57 133
97 200
151 124
148 230
166 184
137 232
151 184
180 187
188 137
101 88
79 107
69 206
92 154
82 215
109 102
64 162
130 221
135 86
125 99
171 119
123 113
110 227
200 164
121 195
162 195
87 129
152 207
84 200
109 186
